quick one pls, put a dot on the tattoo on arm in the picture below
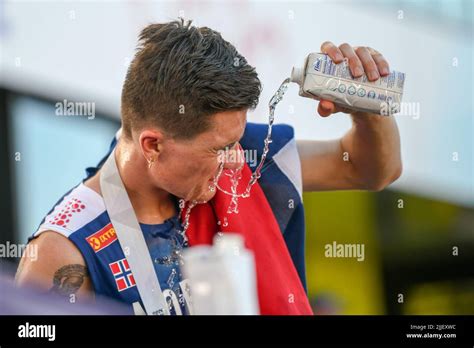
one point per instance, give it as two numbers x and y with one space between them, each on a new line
68 279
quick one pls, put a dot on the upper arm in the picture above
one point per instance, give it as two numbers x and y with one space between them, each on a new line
325 166
57 266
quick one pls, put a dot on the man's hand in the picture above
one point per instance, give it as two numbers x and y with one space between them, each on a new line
361 59
368 156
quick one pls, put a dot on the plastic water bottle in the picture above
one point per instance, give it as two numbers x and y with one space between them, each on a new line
320 78
222 277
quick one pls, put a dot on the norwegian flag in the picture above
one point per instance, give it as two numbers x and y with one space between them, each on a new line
122 274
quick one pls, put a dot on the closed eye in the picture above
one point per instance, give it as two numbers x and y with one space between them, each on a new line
227 147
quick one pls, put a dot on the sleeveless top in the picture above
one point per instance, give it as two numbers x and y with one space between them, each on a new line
80 216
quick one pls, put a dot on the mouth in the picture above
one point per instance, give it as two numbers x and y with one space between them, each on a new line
210 184
211 180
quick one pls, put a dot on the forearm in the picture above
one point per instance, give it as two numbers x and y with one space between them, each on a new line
368 156
372 147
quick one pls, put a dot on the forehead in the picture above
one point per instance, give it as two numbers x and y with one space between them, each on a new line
226 127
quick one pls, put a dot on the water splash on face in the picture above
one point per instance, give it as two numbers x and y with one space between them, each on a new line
236 174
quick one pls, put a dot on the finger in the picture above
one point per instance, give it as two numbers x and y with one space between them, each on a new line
332 51
326 108
382 64
355 64
342 109
368 63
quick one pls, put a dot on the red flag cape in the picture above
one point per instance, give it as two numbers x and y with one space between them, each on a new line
279 287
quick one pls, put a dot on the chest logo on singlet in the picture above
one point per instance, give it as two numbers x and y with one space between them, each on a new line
103 238
122 274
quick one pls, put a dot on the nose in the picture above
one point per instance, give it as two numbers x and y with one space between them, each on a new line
234 158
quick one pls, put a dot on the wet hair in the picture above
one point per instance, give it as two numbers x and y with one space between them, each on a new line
180 76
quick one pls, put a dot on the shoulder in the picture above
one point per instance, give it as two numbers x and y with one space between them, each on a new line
55 248
75 210
283 162
255 134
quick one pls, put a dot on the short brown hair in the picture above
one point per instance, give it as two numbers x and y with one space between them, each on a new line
180 76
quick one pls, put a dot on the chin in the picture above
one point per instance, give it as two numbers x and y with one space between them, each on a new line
206 196
203 195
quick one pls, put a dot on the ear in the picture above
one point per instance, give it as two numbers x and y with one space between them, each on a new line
151 141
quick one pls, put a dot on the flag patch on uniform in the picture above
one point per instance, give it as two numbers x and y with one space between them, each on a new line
102 238
122 274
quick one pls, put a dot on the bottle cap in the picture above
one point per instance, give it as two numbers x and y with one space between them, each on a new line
229 243
297 75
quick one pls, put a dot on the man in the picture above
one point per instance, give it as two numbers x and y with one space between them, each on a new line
184 101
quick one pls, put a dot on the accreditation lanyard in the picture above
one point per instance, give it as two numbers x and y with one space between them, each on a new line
131 238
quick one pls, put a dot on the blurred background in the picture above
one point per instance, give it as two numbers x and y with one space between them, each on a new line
418 233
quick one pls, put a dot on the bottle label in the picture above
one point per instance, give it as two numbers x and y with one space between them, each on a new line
323 65
326 80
